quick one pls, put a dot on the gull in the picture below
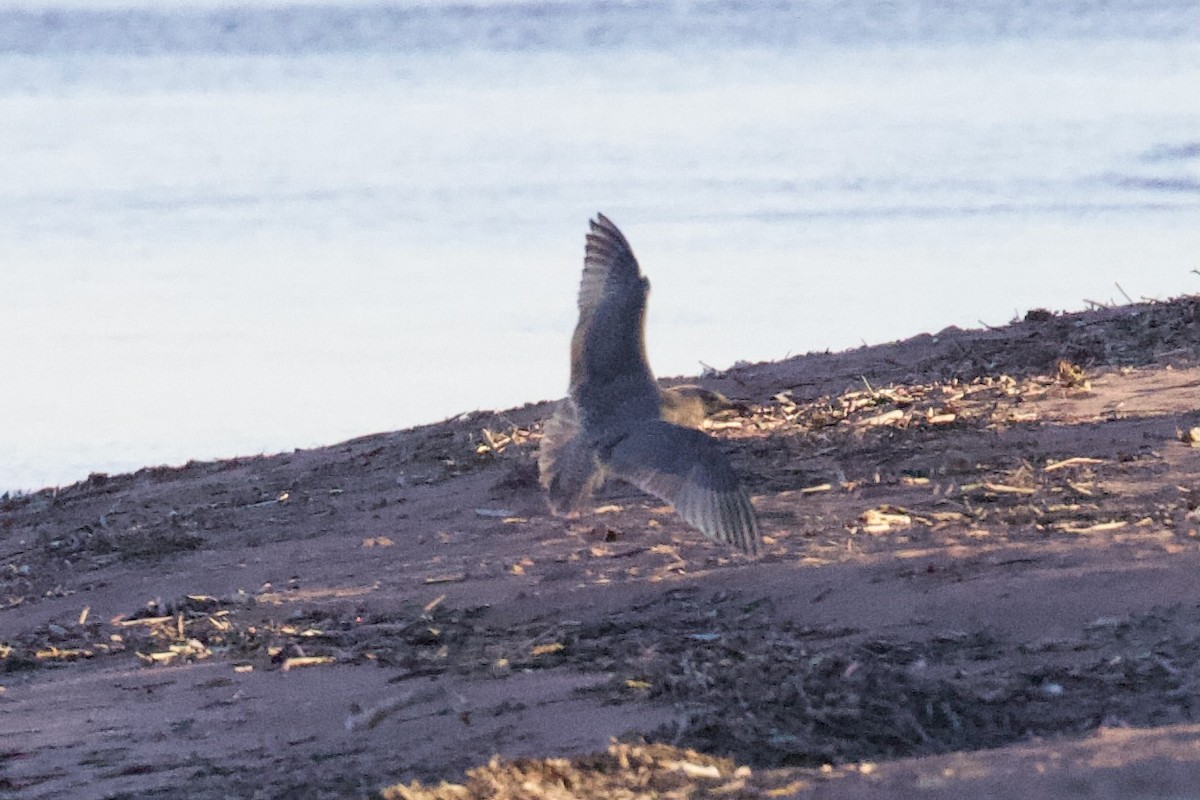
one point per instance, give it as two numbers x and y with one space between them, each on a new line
614 421
690 405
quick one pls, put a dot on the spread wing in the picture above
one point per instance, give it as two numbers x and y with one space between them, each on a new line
609 266
609 370
687 469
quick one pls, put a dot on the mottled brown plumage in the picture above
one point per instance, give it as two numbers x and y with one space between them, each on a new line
689 405
614 421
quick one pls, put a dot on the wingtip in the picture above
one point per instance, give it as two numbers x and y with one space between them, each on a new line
753 534
744 533
738 522
603 223
606 242
603 226
726 517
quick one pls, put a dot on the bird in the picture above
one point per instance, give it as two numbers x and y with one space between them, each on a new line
689 405
615 422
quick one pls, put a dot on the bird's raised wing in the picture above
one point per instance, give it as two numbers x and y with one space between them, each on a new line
609 266
610 376
687 469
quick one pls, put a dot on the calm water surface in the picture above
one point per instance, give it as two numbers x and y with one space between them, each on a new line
227 230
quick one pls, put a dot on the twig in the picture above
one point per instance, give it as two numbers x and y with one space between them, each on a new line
125 623
306 661
1099 527
376 713
457 577
370 717
1122 291
627 553
998 488
1071 462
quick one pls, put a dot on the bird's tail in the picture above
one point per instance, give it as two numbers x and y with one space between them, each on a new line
568 467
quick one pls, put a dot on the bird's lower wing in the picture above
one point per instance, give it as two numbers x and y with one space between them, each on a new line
687 469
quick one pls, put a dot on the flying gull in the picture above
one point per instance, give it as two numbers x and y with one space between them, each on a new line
614 421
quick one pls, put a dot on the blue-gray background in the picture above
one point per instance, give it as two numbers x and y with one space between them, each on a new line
229 229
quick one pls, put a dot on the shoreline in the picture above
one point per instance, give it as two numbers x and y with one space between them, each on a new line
1001 343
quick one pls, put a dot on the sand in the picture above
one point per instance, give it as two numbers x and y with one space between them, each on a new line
981 579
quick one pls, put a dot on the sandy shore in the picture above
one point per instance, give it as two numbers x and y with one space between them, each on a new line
980 579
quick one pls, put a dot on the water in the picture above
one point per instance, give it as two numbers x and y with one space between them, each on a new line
227 230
